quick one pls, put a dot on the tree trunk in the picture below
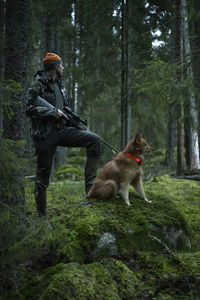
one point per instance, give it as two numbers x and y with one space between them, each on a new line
170 138
180 141
49 30
124 73
187 135
196 50
193 117
196 56
176 57
73 85
2 38
15 69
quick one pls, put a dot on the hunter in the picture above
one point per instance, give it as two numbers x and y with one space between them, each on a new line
48 130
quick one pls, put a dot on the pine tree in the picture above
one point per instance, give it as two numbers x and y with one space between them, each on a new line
194 163
15 70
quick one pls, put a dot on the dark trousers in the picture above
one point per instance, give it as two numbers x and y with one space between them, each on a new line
45 148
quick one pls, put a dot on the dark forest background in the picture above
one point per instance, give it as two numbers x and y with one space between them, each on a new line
130 66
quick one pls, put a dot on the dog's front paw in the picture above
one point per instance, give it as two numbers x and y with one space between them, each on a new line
128 203
148 201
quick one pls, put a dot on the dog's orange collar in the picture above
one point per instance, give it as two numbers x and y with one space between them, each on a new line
139 161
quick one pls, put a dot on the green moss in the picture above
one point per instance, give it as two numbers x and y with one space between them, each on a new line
148 277
190 263
132 227
157 245
184 198
69 172
77 160
109 279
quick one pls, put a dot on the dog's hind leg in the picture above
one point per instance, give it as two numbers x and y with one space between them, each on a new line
110 189
139 189
103 189
124 193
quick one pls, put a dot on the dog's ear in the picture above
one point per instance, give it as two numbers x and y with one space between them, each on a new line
138 137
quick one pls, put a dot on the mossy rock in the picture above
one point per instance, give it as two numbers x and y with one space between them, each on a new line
148 276
109 279
111 228
142 226
158 244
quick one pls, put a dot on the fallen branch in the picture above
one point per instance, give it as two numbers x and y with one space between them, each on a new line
189 177
30 177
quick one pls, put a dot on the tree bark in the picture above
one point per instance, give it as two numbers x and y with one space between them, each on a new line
2 38
15 69
124 73
193 117
180 141
170 137
179 106
195 33
171 114
49 34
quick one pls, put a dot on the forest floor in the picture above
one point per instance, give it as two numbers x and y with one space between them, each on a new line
106 250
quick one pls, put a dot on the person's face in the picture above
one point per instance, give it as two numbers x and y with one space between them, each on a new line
59 70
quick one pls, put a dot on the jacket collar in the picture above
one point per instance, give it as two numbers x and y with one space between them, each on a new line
41 75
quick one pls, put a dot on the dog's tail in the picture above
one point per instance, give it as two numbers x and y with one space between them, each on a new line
103 189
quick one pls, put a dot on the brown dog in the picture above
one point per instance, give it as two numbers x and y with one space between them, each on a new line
125 169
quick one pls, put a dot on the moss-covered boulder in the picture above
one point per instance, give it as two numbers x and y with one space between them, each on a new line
112 228
108 279
106 250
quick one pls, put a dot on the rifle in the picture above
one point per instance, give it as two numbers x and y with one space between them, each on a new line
71 118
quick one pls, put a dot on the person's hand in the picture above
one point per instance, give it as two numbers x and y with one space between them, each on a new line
59 114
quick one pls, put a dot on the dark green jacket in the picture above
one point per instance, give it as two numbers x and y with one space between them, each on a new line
43 118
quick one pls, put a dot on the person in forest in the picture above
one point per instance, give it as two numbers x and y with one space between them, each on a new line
48 130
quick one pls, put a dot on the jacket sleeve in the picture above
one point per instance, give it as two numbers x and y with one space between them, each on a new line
32 110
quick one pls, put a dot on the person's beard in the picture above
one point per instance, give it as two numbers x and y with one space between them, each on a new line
58 73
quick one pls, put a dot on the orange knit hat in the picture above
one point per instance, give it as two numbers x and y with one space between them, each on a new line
51 60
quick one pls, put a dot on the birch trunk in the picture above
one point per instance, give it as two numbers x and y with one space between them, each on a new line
193 117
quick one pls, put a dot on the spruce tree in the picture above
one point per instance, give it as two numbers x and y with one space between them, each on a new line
15 74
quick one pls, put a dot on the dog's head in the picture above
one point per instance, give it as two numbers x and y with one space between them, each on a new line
139 145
